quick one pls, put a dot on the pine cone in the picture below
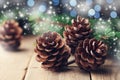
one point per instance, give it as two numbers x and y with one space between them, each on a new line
52 51
10 35
79 30
90 54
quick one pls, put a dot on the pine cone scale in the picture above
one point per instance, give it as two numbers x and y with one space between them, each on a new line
39 59
47 64
42 54
52 58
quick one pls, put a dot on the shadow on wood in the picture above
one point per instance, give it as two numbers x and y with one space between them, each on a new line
17 50
103 71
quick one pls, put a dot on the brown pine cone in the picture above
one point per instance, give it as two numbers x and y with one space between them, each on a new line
90 54
80 30
52 51
10 35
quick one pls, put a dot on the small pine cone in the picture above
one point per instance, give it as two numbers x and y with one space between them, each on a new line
90 54
80 30
10 35
52 51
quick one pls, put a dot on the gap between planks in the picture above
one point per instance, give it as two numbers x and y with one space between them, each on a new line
26 69
32 50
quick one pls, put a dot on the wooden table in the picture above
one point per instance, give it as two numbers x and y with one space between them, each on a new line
21 65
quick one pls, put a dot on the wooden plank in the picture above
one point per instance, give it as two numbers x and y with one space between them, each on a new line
35 72
109 71
13 64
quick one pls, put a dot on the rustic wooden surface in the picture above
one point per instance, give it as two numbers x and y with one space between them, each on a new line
21 65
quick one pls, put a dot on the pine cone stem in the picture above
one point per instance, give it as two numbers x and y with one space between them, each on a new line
71 62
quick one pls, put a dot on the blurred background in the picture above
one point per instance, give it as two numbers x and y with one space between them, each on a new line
29 12
87 8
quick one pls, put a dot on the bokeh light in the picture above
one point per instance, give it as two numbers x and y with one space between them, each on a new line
73 3
42 8
113 14
97 15
97 8
91 12
64 1
73 13
30 3
56 2
109 1
89 2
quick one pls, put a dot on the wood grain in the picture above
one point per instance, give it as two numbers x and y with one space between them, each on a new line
35 72
13 64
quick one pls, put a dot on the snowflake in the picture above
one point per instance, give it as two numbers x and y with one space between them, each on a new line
51 7
49 12
50 2
21 14
18 4
5 6
7 3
